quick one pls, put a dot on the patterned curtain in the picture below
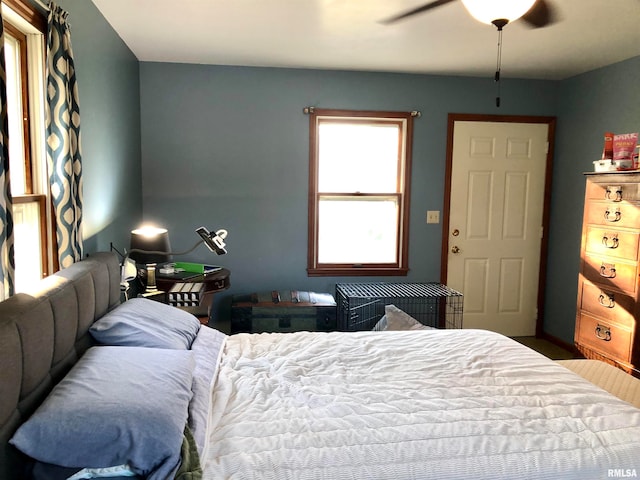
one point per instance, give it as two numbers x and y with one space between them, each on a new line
63 138
7 265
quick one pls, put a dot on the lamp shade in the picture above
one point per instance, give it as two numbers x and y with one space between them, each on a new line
153 240
486 11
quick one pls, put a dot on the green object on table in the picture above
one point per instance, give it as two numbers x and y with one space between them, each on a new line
197 267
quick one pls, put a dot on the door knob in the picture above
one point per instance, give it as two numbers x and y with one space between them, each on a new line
455 249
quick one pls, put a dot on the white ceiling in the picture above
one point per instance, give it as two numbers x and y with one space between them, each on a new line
349 35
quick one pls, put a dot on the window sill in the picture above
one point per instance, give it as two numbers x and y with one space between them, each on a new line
357 272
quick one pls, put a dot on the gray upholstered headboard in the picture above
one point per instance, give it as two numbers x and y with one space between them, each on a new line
42 335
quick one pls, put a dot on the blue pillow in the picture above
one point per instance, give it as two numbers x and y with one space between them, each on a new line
117 406
141 322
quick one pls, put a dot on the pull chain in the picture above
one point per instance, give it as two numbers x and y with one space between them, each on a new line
498 64
500 23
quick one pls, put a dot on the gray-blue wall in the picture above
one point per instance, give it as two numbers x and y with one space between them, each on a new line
229 146
109 89
604 100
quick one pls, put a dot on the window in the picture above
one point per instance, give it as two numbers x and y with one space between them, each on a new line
24 63
359 171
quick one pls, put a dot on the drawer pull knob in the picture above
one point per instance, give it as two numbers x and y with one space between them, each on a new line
608 271
610 243
615 218
618 193
609 302
603 333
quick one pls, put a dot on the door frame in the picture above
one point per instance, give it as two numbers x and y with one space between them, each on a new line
471 117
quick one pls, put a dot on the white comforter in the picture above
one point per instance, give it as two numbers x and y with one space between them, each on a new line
433 404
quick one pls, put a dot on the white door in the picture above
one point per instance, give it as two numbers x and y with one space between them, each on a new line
495 222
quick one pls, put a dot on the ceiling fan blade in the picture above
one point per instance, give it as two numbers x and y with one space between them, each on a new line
540 15
423 8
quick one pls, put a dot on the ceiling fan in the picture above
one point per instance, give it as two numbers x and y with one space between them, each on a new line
534 13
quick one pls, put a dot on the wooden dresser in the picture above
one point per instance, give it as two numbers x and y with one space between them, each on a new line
608 289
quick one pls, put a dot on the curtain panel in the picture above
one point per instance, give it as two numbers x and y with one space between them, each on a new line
63 138
7 265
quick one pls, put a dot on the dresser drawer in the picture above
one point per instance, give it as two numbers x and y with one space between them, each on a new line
607 305
606 338
610 272
613 214
612 243
614 188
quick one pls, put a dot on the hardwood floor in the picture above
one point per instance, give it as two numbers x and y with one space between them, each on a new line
547 348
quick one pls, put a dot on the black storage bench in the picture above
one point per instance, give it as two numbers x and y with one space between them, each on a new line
283 311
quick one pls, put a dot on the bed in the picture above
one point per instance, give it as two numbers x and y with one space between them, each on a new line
413 404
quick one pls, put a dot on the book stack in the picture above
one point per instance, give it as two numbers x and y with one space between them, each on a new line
186 294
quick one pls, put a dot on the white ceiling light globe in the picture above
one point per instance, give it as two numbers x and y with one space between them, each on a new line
486 11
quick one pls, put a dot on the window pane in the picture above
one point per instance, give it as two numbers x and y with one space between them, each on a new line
14 116
358 157
26 231
357 230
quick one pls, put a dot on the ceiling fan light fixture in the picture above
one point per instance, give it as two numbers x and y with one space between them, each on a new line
486 11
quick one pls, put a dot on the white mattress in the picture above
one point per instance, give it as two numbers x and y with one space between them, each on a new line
400 405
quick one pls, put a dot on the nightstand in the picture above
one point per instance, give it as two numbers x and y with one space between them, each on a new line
214 283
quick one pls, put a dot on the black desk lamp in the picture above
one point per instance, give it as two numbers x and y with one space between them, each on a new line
214 241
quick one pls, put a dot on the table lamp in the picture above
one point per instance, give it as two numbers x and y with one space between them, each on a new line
150 246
